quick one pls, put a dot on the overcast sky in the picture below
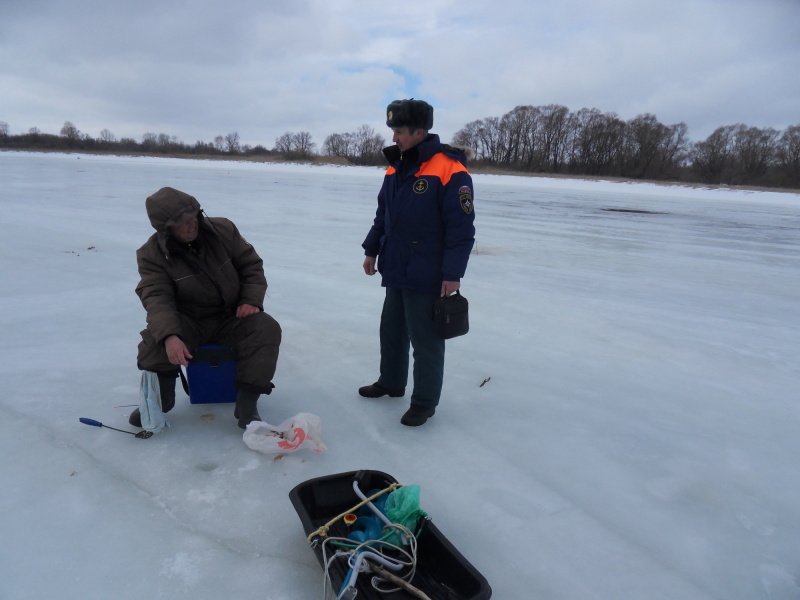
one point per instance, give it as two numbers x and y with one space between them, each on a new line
198 69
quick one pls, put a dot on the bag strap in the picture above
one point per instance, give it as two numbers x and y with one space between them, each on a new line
184 381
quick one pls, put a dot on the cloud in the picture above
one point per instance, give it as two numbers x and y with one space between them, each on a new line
197 69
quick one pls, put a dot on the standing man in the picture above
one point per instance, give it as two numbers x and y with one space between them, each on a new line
421 237
202 282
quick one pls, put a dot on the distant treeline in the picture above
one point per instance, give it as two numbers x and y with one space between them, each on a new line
534 139
72 139
551 139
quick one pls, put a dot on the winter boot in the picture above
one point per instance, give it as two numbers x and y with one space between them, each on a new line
166 386
417 415
376 390
246 408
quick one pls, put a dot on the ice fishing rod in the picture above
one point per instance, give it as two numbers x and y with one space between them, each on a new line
142 435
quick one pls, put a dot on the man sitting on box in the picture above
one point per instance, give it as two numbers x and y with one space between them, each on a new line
202 282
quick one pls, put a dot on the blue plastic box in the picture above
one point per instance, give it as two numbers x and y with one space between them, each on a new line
212 374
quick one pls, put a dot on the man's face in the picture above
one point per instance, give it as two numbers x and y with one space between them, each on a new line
187 232
405 139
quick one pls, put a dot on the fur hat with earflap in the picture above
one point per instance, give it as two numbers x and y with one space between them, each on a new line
416 114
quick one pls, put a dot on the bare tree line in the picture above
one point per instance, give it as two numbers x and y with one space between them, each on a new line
535 139
362 147
551 139
71 138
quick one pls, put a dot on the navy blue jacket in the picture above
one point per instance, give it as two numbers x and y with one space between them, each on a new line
424 226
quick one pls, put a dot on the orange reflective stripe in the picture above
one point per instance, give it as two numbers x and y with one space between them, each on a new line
441 166
391 171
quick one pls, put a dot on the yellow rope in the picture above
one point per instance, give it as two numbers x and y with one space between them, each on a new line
323 531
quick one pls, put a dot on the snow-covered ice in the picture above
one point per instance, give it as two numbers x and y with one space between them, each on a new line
638 438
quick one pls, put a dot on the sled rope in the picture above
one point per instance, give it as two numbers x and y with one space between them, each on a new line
323 530
405 556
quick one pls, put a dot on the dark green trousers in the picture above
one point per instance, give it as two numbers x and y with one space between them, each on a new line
407 321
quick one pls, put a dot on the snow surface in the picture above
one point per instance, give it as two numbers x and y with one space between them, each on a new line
638 438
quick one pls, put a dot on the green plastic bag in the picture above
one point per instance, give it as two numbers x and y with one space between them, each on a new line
402 507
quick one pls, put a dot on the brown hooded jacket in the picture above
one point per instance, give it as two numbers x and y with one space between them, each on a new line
206 279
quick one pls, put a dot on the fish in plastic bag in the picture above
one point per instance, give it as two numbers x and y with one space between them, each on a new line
300 430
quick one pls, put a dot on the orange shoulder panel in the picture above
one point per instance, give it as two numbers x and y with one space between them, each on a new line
441 166
391 171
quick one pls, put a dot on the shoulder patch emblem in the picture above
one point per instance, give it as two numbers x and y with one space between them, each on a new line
465 197
421 186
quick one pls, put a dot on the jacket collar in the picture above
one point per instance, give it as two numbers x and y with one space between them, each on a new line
425 150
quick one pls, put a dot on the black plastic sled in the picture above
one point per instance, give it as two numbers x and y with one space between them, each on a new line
440 571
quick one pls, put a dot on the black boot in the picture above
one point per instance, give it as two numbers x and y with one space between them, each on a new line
166 386
376 390
136 418
417 415
246 408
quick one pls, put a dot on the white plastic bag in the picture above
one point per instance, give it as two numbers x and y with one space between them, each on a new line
150 403
291 435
